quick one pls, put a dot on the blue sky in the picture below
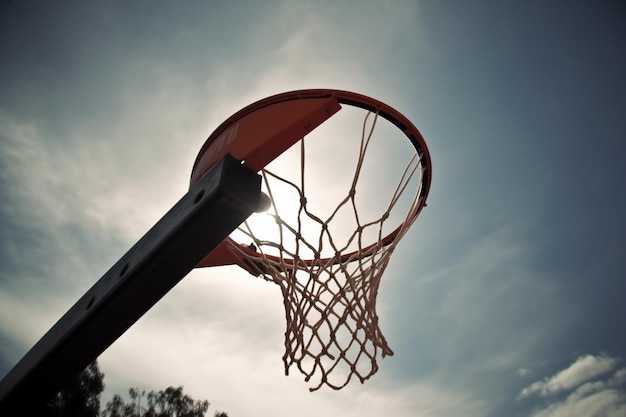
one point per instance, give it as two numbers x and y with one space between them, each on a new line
506 298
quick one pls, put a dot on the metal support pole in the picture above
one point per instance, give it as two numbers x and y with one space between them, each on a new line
222 199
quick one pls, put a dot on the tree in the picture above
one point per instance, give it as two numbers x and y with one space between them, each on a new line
81 397
171 402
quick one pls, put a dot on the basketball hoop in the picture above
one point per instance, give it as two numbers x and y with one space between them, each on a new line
322 243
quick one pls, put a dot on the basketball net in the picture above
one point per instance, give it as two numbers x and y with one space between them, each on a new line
332 332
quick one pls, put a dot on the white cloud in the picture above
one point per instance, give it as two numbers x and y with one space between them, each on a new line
590 400
585 368
589 395
323 45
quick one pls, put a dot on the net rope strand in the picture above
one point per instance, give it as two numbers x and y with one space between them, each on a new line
332 326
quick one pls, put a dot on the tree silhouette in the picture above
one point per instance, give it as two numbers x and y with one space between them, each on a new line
81 398
171 402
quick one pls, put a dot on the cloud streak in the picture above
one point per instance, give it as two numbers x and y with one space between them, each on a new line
593 385
584 369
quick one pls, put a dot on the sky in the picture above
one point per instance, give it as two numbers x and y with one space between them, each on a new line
505 298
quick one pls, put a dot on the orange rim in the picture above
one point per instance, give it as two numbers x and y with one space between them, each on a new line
322 108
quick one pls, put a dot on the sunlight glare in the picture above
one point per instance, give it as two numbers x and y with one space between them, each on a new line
331 155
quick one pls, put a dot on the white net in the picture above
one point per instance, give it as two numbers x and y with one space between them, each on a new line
327 239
